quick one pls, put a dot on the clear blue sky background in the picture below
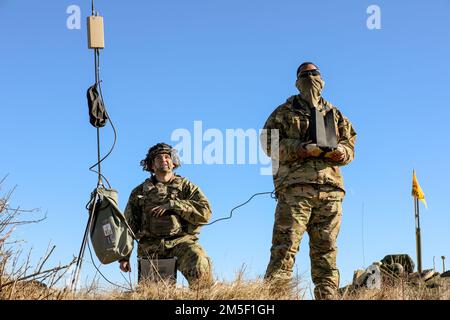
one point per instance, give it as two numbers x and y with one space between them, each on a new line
229 64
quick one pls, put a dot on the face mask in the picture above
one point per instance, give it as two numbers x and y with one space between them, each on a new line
310 88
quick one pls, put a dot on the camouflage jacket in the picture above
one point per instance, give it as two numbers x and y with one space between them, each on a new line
188 210
292 121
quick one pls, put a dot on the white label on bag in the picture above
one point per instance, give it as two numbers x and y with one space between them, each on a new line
107 229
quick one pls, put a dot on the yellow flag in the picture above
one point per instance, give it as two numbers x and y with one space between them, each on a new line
417 190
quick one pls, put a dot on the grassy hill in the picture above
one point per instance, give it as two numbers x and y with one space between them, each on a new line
18 280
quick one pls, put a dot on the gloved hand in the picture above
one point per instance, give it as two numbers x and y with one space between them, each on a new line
337 155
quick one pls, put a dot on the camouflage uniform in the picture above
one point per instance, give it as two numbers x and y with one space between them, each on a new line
175 234
309 192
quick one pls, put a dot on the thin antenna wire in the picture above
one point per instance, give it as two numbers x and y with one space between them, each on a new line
362 235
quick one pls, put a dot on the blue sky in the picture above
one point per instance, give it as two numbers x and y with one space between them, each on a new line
229 64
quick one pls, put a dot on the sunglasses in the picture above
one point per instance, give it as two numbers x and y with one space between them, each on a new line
307 73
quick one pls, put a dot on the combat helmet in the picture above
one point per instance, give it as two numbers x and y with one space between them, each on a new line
160 148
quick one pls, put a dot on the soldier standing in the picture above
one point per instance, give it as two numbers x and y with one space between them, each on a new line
308 184
166 212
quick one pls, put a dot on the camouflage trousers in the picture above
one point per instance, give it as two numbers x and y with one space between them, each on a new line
317 210
192 260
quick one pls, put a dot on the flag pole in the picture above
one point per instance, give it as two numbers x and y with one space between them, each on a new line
418 244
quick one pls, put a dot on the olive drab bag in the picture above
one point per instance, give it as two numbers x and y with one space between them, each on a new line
97 111
111 235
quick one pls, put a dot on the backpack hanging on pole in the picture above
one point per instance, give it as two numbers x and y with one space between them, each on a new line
97 111
111 236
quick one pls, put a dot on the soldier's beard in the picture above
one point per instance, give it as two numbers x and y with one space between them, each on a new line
163 170
310 89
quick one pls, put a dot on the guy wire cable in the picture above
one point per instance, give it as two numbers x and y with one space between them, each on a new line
101 274
83 246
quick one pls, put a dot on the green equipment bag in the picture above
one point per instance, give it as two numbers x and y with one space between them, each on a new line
111 236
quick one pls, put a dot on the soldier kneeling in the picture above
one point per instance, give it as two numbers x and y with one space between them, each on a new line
166 212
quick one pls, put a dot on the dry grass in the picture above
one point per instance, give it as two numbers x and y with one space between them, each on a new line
19 280
396 293
238 289
402 290
235 290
